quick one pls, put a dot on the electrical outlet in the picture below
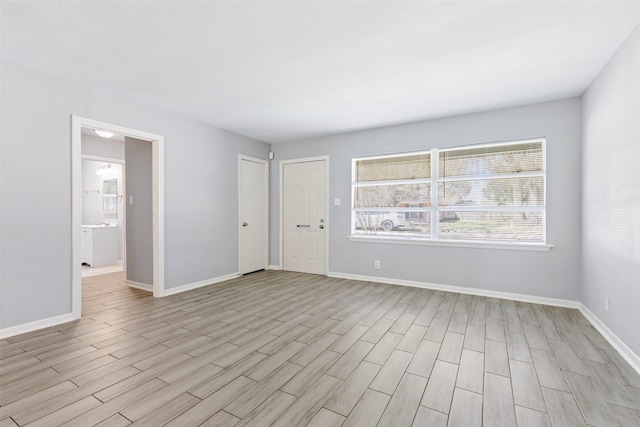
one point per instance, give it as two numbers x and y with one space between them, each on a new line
376 264
606 305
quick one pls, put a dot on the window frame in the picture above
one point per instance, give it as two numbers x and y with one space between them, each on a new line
434 210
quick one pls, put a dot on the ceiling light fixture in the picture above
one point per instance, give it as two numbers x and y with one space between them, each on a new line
103 133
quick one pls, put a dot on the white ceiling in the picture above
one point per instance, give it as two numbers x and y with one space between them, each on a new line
280 70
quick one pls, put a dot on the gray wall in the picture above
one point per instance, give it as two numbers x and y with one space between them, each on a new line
139 223
553 274
103 147
611 194
201 197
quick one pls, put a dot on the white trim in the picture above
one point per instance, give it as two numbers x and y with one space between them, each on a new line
274 267
124 218
264 163
200 284
619 345
434 215
158 215
440 179
157 142
138 285
102 159
327 221
420 241
501 176
459 289
76 216
34 326
453 209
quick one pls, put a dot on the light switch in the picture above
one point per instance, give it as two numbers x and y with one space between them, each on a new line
337 202
130 200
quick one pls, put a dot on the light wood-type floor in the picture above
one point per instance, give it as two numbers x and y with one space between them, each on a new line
97 271
290 349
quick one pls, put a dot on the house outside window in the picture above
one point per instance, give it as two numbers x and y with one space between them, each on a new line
478 193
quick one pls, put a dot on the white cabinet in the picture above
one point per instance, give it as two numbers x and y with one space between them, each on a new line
99 245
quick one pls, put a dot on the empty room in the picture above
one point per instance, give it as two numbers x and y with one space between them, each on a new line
320 213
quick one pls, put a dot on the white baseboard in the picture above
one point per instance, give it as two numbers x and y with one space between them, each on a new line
138 285
34 326
200 284
628 354
274 267
459 289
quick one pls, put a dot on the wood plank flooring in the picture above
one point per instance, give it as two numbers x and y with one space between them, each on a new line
98 271
289 349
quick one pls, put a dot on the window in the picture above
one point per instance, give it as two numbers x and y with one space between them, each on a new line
486 193
389 192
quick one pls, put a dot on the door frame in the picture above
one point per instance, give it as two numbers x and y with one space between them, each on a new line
265 163
157 144
326 206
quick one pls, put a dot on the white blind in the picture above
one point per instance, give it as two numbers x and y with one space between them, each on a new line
393 168
491 160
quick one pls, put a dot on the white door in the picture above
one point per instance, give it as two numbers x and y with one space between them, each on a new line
304 209
253 215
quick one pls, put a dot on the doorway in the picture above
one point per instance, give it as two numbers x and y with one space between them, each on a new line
157 203
102 236
304 215
253 209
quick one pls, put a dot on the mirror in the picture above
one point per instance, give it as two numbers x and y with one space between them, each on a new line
110 197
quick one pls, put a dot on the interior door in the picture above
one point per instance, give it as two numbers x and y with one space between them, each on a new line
304 225
253 215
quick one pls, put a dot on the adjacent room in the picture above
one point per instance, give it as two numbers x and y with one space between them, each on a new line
318 213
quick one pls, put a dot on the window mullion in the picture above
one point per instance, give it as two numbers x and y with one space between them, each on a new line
434 192
391 182
491 176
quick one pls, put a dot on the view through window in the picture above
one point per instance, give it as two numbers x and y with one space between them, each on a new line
490 192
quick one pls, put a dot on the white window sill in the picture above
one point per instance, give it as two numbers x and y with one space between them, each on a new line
516 246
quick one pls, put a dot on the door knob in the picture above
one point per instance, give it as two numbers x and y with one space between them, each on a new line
244 224
321 227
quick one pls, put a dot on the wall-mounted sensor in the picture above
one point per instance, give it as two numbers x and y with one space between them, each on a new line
270 155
